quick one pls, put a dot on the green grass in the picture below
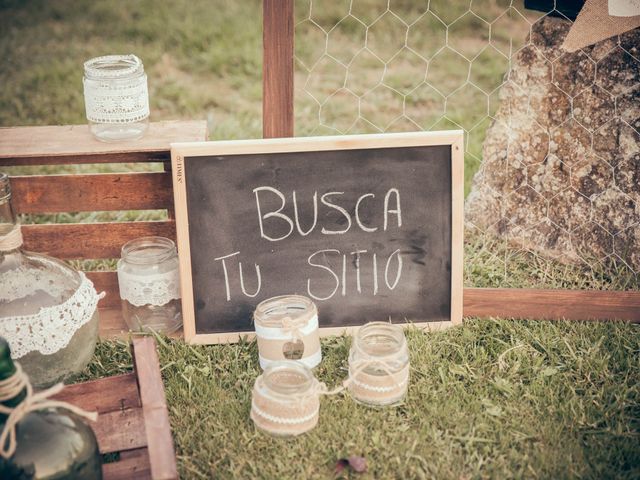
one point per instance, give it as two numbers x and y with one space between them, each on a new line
492 399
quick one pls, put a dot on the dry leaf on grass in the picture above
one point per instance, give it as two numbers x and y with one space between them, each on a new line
356 463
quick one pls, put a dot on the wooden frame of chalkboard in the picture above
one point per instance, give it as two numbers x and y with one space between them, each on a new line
220 223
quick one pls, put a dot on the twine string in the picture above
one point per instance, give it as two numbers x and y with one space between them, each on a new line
11 240
360 367
293 327
10 388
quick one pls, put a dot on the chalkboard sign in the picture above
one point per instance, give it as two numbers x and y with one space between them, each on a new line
368 226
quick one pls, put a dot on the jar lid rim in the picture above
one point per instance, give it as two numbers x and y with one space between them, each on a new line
392 331
130 65
290 367
136 250
272 311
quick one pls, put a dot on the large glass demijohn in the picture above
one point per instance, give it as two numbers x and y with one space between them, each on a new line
48 311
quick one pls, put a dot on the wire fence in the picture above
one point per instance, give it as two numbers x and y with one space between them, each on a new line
390 65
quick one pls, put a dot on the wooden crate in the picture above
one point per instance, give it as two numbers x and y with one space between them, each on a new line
132 417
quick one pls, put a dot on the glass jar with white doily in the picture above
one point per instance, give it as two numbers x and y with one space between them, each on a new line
116 97
149 282
48 311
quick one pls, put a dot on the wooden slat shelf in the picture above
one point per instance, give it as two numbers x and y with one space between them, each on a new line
74 144
90 240
90 193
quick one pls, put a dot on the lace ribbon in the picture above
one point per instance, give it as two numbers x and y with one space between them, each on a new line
158 289
284 420
10 388
122 101
52 328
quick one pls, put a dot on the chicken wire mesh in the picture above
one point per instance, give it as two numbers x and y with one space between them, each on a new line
371 66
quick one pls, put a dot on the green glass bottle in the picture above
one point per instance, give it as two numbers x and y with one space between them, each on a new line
50 443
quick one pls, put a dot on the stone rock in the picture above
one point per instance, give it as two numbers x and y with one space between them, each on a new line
561 160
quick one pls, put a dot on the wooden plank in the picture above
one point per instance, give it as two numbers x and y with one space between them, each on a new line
112 324
484 302
552 304
71 144
106 282
105 395
133 464
120 430
88 193
90 240
161 452
277 68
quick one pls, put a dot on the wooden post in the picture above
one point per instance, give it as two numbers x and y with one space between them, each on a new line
277 68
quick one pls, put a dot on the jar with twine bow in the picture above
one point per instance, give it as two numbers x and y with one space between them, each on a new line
287 329
379 364
41 437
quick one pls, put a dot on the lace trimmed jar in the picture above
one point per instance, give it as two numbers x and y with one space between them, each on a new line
379 364
149 283
286 399
116 97
48 311
287 329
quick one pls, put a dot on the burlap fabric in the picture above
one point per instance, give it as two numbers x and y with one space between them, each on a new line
594 24
287 329
285 415
379 389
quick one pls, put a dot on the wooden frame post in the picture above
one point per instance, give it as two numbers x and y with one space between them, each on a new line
277 68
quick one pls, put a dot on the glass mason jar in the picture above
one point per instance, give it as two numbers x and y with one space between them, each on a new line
149 282
285 399
379 364
116 97
48 311
287 329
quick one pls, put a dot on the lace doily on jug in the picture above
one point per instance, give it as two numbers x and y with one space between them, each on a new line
52 328
24 282
157 289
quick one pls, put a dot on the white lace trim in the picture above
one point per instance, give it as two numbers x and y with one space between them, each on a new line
52 328
284 420
23 282
121 101
157 289
366 386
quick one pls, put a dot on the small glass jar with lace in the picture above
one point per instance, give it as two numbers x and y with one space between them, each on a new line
116 97
379 365
286 399
149 283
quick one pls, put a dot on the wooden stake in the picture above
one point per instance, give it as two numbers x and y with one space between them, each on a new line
277 68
